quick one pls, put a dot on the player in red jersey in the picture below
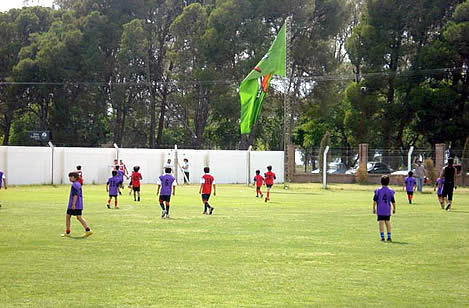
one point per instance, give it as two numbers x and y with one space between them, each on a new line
135 178
269 181
206 182
258 181
80 175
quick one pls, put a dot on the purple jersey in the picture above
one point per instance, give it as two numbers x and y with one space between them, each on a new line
1 178
120 175
75 190
384 196
409 183
440 182
113 183
167 182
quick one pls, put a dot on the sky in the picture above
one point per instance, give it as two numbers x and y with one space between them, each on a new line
5 5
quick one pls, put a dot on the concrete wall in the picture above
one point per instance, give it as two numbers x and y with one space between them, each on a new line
34 165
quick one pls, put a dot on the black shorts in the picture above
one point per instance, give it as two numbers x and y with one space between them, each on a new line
74 212
110 196
205 197
136 188
258 187
269 185
387 218
448 191
166 198
410 193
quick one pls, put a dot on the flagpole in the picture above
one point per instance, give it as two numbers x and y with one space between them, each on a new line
287 123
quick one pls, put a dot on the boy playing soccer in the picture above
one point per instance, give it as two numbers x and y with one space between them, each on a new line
135 182
269 181
167 183
75 206
258 181
440 182
2 180
112 186
382 199
206 182
410 184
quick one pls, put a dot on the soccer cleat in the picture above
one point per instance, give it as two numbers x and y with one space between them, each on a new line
265 199
389 239
138 199
262 196
382 240
116 207
204 212
88 233
163 214
108 206
65 235
211 210
167 216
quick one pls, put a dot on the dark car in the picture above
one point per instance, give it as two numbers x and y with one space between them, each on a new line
378 168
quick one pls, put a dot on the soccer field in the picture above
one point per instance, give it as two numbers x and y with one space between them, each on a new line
307 247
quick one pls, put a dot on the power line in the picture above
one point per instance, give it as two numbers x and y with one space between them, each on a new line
313 78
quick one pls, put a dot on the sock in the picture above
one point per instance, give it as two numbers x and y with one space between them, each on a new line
268 193
205 207
115 202
67 231
208 206
382 235
167 209
389 235
109 201
162 205
87 229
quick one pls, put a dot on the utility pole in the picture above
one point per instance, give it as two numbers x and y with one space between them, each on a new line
287 112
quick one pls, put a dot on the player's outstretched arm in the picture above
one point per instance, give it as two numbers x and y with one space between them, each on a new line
158 189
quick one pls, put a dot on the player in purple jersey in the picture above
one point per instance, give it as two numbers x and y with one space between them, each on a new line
167 183
439 183
75 206
120 176
409 184
382 201
112 186
3 180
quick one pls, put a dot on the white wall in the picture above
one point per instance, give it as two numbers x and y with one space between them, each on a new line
34 165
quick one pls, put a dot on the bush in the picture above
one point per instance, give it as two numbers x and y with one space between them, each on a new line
430 169
362 175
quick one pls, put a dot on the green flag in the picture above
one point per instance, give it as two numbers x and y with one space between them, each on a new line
254 87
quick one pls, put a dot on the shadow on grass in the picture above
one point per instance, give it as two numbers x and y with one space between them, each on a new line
398 243
456 211
294 193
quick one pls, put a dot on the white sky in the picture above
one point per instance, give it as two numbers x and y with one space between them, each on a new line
5 5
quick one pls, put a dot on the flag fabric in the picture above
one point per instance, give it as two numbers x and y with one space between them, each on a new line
254 87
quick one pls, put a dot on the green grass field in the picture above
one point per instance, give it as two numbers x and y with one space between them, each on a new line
308 247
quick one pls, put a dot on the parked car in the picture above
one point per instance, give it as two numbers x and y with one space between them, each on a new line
373 167
378 168
334 168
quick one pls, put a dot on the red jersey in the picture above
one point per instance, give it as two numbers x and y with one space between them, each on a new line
269 178
80 177
136 177
207 180
259 180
